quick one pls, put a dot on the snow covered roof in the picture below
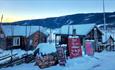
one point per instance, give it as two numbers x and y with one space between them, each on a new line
22 30
81 29
46 48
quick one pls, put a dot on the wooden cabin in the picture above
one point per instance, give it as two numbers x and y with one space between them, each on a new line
19 36
15 42
84 31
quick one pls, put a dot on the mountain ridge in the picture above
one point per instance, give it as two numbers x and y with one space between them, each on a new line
82 18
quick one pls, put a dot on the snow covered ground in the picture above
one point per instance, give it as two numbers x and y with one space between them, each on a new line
101 61
17 52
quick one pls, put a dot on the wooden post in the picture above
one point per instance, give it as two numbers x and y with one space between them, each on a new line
12 30
96 41
84 46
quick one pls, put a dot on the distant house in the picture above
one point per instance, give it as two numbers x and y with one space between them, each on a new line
84 31
109 40
20 36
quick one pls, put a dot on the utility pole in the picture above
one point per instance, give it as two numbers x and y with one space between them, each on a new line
96 41
104 20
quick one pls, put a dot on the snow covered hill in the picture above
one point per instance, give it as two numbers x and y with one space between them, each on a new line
101 61
83 18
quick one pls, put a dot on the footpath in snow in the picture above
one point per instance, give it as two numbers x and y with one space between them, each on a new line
101 61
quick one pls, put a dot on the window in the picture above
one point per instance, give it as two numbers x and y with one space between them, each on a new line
16 41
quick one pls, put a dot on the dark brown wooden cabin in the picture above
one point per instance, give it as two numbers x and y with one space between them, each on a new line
16 42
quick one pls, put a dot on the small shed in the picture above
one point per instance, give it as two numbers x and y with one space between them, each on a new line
108 41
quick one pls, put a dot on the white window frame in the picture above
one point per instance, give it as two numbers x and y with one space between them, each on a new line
16 41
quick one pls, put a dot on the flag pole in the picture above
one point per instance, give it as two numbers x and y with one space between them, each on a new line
1 20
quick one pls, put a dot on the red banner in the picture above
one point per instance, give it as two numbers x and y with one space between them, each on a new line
74 45
89 48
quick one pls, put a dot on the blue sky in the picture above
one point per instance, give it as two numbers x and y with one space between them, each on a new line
15 10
